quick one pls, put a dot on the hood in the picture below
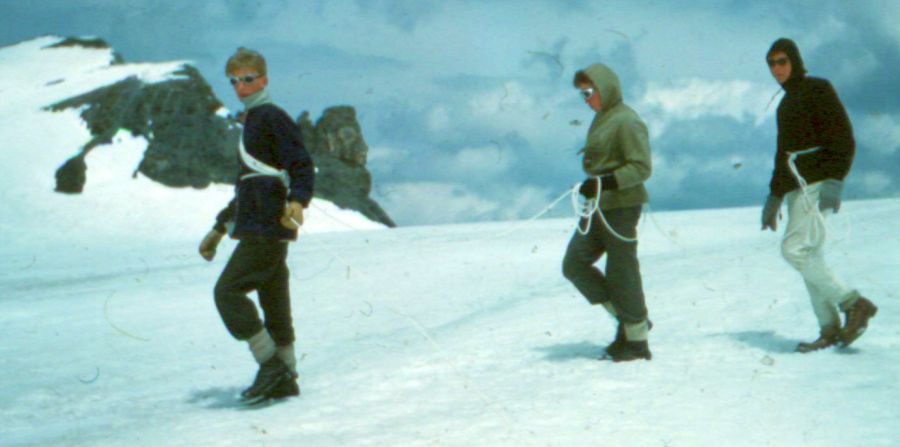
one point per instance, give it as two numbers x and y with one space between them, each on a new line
607 83
789 48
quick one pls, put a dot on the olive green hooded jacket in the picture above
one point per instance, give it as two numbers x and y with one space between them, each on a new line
617 144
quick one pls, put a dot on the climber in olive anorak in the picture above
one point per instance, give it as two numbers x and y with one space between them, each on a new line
616 157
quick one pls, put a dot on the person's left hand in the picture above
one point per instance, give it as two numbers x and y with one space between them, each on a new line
208 246
830 195
293 215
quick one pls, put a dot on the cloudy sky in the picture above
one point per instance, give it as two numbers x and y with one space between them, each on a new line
467 106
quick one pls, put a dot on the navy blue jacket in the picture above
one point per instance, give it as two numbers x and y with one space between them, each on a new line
272 137
811 115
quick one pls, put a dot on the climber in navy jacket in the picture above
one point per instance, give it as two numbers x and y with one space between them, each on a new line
275 184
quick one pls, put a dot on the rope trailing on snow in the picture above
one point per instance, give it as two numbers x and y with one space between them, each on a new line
121 331
468 383
322 210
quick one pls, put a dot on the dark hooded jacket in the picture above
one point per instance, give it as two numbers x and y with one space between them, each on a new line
810 115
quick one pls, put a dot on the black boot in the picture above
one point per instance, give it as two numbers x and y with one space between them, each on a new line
633 350
271 374
618 344
857 320
287 388
829 336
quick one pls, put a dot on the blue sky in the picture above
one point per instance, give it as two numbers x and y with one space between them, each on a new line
467 106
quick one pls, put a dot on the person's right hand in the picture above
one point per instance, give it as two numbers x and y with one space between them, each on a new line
589 188
770 212
209 244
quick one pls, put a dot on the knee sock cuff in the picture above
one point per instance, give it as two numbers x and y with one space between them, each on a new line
637 331
286 354
262 346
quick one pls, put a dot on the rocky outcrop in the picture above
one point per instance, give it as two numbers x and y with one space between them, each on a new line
87 42
336 144
191 144
188 144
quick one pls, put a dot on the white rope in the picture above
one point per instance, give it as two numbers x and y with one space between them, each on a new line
537 216
792 165
591 207
804 189
259 168
326 214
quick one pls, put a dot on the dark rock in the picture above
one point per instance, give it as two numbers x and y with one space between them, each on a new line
88 42
190 145
337 146
71 175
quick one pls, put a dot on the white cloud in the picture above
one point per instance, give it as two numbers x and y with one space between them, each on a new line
880 132
693 98
668 175
426 203
482 161
378 154
535 115
876 182
438 119
511 97
526 202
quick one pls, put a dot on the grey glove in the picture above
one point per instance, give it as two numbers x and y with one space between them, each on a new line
770 212
830 195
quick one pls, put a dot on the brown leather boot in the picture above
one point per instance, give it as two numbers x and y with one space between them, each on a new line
858 315
828 337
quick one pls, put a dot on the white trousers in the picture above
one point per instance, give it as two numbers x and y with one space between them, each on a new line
803 248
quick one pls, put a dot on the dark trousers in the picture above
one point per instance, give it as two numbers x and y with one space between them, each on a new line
621 284
256 264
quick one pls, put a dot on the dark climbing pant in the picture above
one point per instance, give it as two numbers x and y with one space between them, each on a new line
260 265
621 283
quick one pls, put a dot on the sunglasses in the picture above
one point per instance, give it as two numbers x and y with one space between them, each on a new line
587 92
245 79
781 62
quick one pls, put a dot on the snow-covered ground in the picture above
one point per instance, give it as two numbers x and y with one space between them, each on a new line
448 335
454 336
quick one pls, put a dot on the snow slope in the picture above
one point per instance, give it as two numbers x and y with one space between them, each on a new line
455 335
35 142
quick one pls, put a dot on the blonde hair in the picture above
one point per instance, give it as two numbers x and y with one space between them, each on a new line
246 58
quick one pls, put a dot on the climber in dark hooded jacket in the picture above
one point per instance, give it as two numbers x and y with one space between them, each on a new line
814 155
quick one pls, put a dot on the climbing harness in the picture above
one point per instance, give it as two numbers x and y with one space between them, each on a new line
259 168
804 189
792 165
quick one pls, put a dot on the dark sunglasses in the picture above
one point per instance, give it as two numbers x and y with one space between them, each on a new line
587 92
245 79
781 62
